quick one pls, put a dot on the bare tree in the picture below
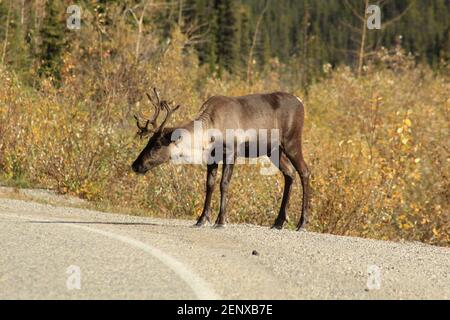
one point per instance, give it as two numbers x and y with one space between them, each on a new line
362 52
194 33
306 39
5 42
363 38
138 12
139 19
22 11
180 13
255 37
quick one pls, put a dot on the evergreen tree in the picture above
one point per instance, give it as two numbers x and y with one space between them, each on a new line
306 33
263 51
245 37
202 15
53 41
227 35
20 60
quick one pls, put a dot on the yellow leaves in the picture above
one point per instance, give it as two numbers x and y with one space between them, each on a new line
407 122
404 223
90 190
406 226
415 175
404 140
404 132
349 142
435 232
366 153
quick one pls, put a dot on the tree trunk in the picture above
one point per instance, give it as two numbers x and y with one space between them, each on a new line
252 48
5 43
305 67
363 40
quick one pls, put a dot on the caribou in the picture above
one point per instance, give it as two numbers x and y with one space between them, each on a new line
271 112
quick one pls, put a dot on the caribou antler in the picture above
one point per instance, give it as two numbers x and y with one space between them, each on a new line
143 130
169 112
157 104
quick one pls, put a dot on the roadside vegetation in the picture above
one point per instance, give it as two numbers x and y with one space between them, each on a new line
377 144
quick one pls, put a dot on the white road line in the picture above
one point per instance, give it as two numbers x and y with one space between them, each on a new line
201 288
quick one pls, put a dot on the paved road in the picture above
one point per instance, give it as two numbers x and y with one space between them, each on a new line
128 257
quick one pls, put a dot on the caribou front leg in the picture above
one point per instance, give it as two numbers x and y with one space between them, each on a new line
210 184
224 184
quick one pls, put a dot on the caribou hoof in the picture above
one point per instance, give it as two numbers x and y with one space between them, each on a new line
199 225
277 226
220 226
202 221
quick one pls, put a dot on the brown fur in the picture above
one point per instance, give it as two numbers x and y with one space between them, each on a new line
276 110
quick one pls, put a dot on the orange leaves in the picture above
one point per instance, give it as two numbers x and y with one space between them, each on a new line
385 170
376 145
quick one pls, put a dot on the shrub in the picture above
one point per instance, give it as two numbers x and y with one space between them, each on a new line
377 145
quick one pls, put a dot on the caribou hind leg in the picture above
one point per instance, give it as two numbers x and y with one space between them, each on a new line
304 176
295 154
288 171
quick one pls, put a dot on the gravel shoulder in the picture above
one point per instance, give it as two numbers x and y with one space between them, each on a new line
130 257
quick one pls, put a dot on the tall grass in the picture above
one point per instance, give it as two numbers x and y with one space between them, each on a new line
377 145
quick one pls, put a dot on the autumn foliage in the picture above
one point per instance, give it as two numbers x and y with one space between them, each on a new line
377 145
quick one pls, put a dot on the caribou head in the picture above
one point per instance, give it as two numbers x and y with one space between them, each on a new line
157 150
